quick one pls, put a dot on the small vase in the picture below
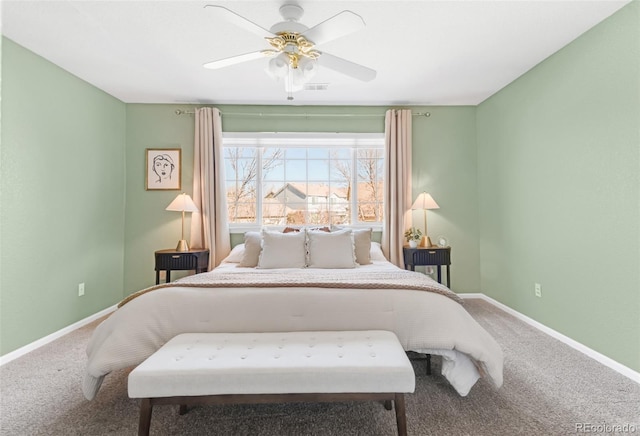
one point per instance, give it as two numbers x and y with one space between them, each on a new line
413 243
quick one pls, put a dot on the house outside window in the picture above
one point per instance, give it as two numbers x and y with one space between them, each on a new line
279 179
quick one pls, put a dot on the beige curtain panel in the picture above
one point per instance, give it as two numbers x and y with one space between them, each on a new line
397 177
209 226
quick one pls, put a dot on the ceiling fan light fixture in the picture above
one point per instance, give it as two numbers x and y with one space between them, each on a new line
278 66
295 81
308 67
296 72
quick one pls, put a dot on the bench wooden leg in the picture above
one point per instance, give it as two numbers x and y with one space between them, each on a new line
145 417
183 409
401 418
388 404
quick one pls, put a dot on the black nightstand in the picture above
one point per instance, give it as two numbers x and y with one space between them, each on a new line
431 256
170 260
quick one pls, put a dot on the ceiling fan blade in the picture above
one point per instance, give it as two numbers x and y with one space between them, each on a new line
339 25
240 21
346 67
214 65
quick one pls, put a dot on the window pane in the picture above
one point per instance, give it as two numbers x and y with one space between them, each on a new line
370 153
296 153
369 211
273 170
369 191
341 170
229 170
340 153
242 212
369 170
318 170
273 163
270 153
339 204
270 189
241 190
273 212
241 201
299 185
240 170
240 153
296 169
317 153
295 192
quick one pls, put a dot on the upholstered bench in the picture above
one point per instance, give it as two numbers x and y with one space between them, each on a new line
223 368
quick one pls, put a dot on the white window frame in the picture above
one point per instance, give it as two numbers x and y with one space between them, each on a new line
262 140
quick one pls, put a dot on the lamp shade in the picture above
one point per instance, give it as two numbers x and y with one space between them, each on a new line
182 203
424 201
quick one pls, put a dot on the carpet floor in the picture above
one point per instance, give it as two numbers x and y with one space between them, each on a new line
549 389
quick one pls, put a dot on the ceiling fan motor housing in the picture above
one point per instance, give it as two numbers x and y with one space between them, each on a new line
291 13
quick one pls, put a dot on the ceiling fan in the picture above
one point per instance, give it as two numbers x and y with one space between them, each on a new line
293 52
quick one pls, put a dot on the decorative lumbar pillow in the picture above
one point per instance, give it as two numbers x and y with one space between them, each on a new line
331 250
252 248
283 250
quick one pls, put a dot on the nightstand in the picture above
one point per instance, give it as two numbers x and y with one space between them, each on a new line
428 256
170 260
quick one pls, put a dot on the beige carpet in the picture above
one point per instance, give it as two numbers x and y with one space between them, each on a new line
549 389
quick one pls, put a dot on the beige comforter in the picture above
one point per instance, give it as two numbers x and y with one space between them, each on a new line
426 322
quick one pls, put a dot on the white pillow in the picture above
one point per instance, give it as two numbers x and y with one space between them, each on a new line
376 252
283 250
331 250
362 242
236 254
252 248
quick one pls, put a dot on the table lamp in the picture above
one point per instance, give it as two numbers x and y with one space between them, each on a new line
183 203
423 202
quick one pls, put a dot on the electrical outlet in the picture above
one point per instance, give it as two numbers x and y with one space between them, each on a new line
538 290
80 289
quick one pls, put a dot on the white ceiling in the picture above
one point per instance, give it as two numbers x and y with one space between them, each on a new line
425 52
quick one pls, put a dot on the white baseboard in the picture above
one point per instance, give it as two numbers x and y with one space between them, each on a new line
607 361
53 336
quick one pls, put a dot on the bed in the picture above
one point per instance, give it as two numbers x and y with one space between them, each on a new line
372 295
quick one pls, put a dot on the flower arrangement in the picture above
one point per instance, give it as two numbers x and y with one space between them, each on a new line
413 235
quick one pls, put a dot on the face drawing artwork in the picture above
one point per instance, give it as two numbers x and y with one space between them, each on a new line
163 167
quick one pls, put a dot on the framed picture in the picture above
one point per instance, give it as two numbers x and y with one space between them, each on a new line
164 169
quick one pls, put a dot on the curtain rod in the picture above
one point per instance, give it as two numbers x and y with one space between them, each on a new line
260 114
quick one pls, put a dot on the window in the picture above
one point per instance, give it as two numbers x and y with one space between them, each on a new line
303 178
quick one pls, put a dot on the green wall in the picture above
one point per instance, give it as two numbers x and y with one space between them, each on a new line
444 164
538 184
62 198
559 190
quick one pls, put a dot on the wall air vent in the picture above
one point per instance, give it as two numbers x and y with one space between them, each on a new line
316 86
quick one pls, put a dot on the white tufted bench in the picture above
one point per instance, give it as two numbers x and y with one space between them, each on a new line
223 368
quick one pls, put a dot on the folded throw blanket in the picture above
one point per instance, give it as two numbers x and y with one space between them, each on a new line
309 278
